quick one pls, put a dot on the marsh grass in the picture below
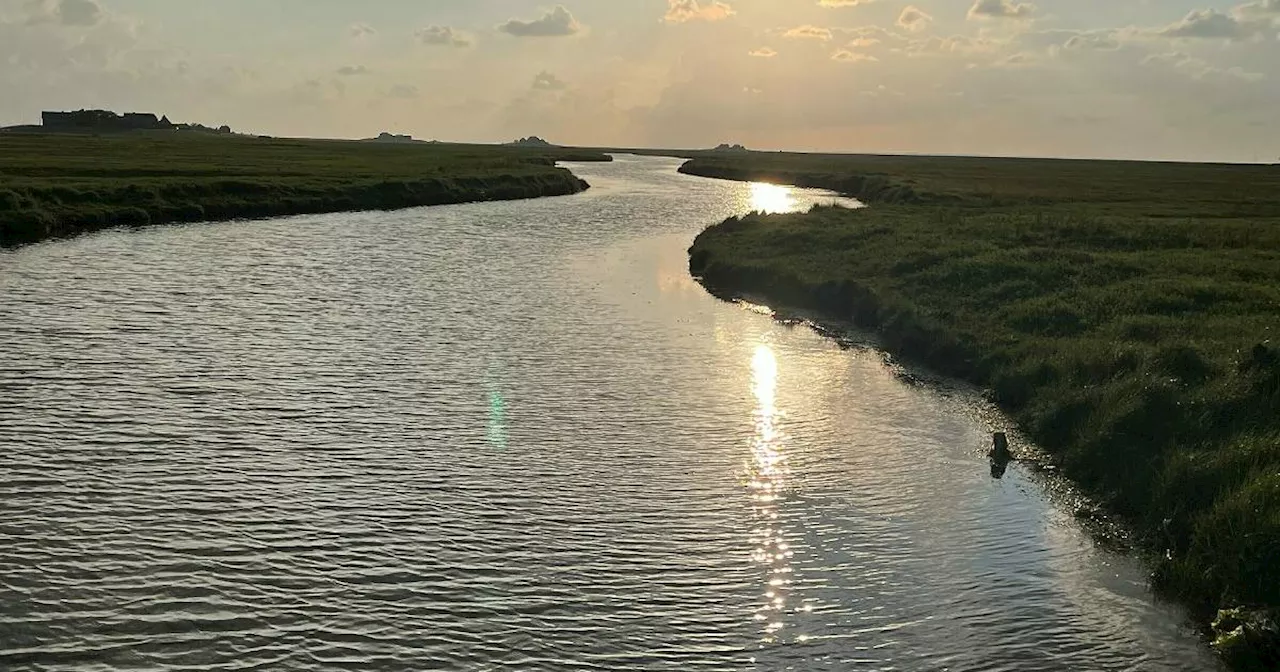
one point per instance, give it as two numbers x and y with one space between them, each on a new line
53 185
1128 316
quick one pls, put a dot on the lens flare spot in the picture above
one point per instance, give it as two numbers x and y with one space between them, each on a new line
497 419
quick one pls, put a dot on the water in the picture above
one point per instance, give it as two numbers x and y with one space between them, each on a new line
506 436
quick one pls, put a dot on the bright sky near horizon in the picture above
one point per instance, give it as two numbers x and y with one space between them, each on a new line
1163 79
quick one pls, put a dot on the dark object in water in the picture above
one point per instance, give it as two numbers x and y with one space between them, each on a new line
999 455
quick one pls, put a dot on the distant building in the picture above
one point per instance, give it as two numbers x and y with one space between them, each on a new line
103 120
201 128
138 120
392 137
531 141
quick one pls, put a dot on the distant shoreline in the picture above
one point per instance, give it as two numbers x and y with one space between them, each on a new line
866 189
61 185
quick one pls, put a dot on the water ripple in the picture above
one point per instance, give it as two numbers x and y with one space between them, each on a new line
508 436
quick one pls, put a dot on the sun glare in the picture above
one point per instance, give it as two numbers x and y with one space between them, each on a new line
771 198
768 471
764 370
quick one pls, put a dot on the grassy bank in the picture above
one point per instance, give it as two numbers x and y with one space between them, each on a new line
1125 187
57 185
1126 315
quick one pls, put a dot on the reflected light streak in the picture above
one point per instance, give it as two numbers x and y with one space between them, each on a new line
768 471
764 381
771 198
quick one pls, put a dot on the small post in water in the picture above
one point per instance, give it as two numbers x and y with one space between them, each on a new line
999 455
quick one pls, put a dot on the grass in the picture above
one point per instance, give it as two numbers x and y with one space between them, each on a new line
1127 315
1180 190
61 184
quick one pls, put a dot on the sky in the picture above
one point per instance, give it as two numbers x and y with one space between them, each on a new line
1143 79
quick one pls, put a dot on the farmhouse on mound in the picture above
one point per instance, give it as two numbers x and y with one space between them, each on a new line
103 120
531 141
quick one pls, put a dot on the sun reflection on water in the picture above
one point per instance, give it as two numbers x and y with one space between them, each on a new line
768 472
764 380
771 198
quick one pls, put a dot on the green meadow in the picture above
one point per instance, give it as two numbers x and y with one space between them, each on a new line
61 184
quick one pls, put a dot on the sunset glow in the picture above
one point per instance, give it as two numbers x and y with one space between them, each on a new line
1057 77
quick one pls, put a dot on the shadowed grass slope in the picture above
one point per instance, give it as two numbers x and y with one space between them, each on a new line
1127 315
55 185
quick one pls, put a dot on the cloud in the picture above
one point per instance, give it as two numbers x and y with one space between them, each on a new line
1198 68
545 81
65 12
867 35
79 12
443 36
956 44
1000 9
1209 24
847 56
1101 40
763 52
1170 58
1013 60
808 33
913 18
680 11
1258 7
361 30
1239 73
1057 40
844 3
558 22
403 91
353 70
